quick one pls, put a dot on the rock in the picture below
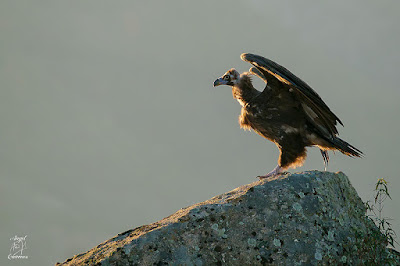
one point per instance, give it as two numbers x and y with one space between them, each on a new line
305 218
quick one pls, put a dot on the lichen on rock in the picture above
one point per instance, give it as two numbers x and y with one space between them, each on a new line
305 218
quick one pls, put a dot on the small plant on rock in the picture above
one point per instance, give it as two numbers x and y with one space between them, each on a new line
376 210
383 223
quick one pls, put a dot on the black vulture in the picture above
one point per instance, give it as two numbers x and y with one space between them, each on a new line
288 112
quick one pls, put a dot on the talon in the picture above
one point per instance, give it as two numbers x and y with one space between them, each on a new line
275 171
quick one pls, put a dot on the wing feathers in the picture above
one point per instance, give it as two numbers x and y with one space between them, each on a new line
317 111
258 73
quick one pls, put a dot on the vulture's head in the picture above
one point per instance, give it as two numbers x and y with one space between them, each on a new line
230 78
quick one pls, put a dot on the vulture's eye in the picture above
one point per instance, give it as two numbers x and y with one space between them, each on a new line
227 77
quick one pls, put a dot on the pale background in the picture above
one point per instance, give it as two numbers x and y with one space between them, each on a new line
109 119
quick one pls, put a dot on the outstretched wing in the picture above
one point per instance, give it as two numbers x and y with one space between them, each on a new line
318 113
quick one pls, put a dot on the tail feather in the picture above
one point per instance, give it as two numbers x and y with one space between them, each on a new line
345 147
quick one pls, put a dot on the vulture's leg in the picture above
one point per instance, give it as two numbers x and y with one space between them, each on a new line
325 156
276 171
293 154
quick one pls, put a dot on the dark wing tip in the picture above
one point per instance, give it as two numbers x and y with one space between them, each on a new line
258 73
243 56
247 57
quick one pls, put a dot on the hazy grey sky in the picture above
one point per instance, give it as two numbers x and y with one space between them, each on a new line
109 119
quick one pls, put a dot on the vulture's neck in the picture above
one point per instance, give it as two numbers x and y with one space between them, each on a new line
244 91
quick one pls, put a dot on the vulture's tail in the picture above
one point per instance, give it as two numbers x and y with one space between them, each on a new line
345 147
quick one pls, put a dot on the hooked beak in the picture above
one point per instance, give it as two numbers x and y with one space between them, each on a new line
220 81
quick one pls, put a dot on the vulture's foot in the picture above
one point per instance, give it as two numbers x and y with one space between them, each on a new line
277 170
325 156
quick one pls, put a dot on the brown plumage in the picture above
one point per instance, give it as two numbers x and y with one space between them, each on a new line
288 112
